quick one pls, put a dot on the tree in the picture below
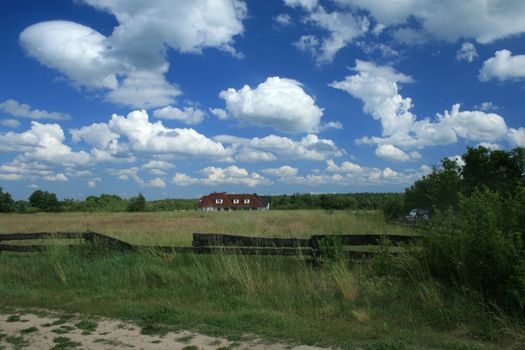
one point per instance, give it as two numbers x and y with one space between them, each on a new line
6 202
137 203
437 190
44 200
501 171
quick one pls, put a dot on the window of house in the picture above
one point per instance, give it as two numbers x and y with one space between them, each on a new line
235 201
246 201
218 201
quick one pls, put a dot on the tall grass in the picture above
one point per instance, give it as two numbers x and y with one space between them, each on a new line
283 298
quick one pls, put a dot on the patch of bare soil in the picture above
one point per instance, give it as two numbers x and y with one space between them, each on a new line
24 330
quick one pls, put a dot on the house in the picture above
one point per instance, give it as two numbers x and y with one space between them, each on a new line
222 201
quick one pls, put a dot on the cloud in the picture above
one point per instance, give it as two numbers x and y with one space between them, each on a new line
92 184
351 174
283 171
10 123
131 62
79 52
310 147
188 115
21 169
157 167
157 182
342 28
308 43
391 152
231 175
144 89
345 167
219 113
157 164
305 4
482 20
283 19
146 137
98 135
487 106
11 177
503 66
248 155
22 110
57 177
279 103
467 52
377 87
43 142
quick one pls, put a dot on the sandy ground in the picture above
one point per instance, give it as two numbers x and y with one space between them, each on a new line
22 330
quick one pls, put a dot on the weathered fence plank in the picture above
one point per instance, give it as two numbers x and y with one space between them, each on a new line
216 243
233 250
41 235
365 239
219 239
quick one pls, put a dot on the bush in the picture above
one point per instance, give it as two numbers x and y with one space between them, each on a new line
481 256
394 208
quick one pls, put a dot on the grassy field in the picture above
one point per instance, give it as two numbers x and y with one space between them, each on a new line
376 305
175 228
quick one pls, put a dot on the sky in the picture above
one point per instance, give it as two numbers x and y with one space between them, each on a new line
177 99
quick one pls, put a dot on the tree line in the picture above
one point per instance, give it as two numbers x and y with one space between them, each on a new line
46 201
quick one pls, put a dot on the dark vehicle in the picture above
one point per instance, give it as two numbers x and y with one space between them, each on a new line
417 215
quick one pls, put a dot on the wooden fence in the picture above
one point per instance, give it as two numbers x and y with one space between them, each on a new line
216 243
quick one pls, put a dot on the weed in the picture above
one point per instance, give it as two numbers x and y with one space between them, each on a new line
86 326
190 347
29 330
18 342
15 318
64 343
63 329
185 339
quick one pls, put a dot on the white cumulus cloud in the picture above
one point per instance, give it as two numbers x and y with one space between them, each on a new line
278 103
378 88
231 175
131 61
503 66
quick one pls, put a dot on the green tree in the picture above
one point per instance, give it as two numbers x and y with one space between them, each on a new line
6 202
44 200
501 171
438 190
137 203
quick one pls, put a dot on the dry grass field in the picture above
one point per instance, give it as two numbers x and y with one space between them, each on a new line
175 228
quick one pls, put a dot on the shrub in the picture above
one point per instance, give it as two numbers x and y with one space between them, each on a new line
481 256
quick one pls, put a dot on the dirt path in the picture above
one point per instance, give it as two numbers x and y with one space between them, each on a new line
53 331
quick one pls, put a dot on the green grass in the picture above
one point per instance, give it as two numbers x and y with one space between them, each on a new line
362 306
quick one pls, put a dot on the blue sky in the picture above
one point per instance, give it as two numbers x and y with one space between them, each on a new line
181 98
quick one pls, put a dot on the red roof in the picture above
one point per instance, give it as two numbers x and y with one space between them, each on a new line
230 200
